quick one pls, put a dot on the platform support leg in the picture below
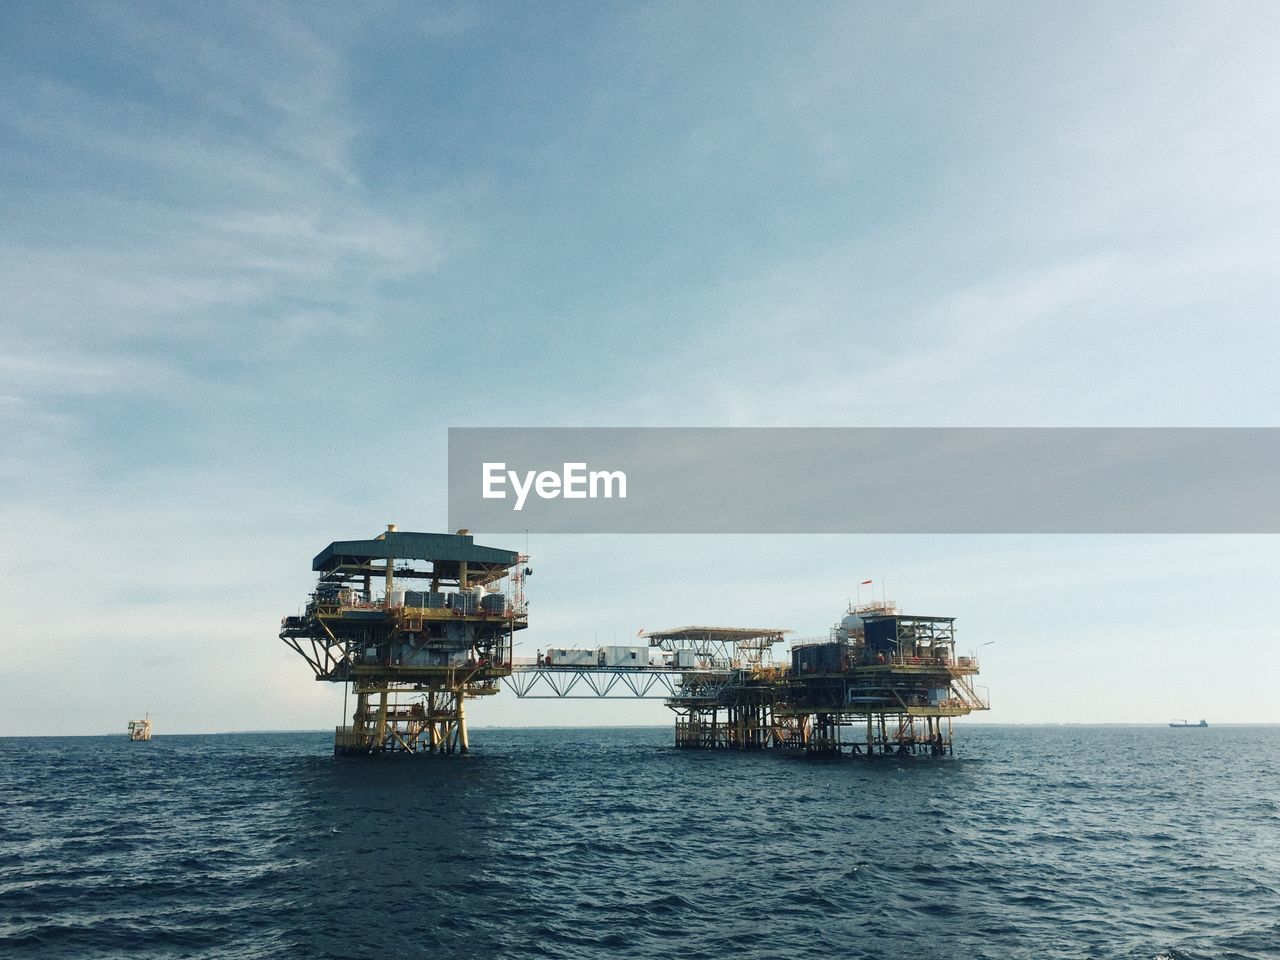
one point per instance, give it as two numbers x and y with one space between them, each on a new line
433 723
381 730
462 725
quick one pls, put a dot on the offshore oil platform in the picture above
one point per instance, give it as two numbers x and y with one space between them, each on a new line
140 730
881 682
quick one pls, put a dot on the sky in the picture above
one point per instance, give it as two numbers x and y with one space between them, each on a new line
256 259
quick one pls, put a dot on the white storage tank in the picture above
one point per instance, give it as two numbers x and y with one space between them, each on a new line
853 626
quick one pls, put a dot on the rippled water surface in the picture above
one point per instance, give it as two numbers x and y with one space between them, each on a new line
1031 842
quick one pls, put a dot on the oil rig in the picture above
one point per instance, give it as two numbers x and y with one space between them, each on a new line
140 730
881 682
411 657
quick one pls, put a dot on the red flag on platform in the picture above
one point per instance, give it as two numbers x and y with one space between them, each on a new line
864 583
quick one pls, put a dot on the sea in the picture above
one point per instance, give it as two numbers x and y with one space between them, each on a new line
1036 842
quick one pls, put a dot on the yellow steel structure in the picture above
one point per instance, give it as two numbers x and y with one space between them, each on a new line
895 675
411 658
882 682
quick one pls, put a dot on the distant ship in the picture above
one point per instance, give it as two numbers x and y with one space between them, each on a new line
1183 723
140 729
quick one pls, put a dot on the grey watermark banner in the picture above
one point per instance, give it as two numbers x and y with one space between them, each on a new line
865 480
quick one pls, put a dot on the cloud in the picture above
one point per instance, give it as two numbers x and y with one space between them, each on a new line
257 258
192 212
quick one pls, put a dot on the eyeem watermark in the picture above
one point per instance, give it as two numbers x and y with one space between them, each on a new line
574 482
864 480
